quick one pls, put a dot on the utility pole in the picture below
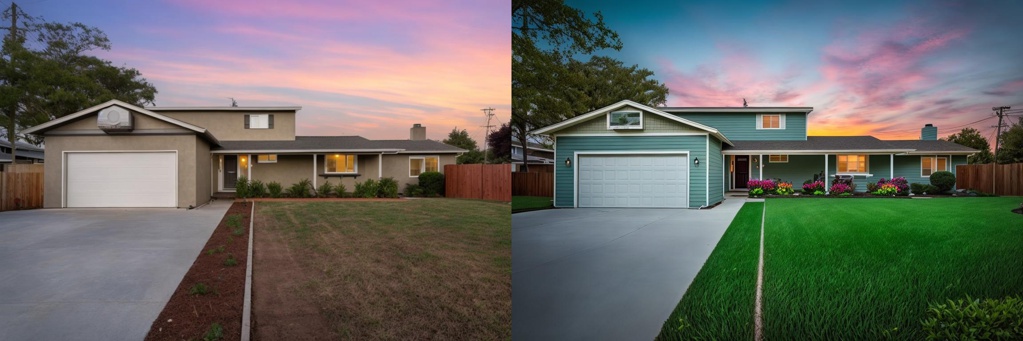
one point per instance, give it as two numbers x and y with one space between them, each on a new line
1000 112
489 112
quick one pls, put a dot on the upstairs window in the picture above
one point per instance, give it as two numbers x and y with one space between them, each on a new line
262 121
419 164
340 163
852 163
625 120
771 121
931 164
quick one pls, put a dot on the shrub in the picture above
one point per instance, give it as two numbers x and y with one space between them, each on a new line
234 221
886 189
216 332
760 187
432 183
818 192
366 189
257 189
900 183
230 261
325 190
943 180
200 289
840 188
274 189
784 188
973 319
300 189
413 190
813 187
340 190
387 188
241 188
872 187
846 181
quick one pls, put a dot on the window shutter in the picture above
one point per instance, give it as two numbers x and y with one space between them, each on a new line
270 122
246 121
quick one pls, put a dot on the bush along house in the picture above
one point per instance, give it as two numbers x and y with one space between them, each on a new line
632 155
120 155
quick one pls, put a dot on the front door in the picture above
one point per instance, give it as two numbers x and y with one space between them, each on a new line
230 171
741 171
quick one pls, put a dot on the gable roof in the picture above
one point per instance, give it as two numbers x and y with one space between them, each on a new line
587 116
758 110
848 144
215 109
87 111
336 144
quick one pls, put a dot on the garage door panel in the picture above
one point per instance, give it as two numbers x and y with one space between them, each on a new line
633 181
121 179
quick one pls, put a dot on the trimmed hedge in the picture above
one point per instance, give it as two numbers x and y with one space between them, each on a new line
944 180
432 183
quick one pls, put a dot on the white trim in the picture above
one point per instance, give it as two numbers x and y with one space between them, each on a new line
314 169
355 168
262 118
63 169
610 127
781 121
380 166
555 198
891 164
430 151
633 134
866 164
934 164
303 151
224 108
939 152
772 161
109 103
421 157
575 170
248 168
818 152
739 110
760 165
827 189
595 113
706 176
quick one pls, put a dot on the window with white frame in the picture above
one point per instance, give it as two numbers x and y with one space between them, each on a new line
931 164
420 164
266 158
778 158
340 163
771 121
262 121
852 163
625 120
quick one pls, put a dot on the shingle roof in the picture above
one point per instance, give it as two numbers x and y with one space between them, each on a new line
21 145
23 154
338 144
931 146
849 144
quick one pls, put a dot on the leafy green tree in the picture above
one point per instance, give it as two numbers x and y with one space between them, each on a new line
971 138
1011 150
500 144
57 78
474 156
460 139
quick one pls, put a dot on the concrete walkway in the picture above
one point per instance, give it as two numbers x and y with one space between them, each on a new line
95 274
607 274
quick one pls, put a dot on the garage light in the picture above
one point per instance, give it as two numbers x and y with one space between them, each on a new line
697 161
568 162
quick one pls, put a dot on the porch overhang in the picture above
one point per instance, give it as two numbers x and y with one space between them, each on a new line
819 152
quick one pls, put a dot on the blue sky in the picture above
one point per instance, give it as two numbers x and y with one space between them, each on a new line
882 68
356 67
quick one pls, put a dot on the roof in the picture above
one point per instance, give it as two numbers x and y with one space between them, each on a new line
532 146
737 109
22 146
87 111
335 144
224 108
847 144
584 117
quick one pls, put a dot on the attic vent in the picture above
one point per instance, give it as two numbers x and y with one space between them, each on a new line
115 119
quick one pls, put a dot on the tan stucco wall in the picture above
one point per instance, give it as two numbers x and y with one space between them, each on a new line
230 125
185 145
140 121
203 192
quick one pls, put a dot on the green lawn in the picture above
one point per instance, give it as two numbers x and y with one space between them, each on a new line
862 268
530 203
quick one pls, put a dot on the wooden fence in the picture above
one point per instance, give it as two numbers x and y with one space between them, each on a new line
21 186
537 184
991 178
487 182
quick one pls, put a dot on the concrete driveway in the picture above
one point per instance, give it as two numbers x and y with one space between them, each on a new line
95 274
607 274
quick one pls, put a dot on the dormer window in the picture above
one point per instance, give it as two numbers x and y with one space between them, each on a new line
771 121
625 120
263 121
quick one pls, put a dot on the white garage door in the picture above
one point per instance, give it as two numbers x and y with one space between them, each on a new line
633 181
121 179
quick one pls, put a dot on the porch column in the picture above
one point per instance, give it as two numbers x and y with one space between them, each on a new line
248 168
891 172
380 166
827 189
314 170
761 166
950 165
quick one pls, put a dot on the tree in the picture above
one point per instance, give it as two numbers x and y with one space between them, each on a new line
602 81
500 144
460 139
474 156
58 79
1012 144
971 138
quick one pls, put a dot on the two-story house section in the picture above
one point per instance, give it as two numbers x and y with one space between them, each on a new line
120 155
632 155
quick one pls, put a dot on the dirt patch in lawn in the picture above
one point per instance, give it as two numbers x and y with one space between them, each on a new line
191 314
420 269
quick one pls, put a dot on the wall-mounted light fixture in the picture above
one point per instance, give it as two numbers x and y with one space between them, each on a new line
568 162
696 161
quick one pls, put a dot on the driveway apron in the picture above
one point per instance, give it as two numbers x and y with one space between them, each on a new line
607 274
95 274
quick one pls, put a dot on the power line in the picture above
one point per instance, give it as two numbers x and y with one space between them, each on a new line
489 112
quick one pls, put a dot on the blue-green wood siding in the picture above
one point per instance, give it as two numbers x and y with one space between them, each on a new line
566 146
909 167
716 167
743 126
802 167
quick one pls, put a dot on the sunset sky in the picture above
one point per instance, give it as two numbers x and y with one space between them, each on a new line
882 68
370 68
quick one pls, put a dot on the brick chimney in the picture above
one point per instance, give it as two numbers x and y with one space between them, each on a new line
417 133
929 133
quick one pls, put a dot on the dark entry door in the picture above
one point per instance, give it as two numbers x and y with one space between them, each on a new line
741 171
231 171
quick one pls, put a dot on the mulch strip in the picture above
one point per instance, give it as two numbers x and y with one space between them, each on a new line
187 316
326 199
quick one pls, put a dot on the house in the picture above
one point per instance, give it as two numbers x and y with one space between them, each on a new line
26 152
540 158
120 155
632 155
